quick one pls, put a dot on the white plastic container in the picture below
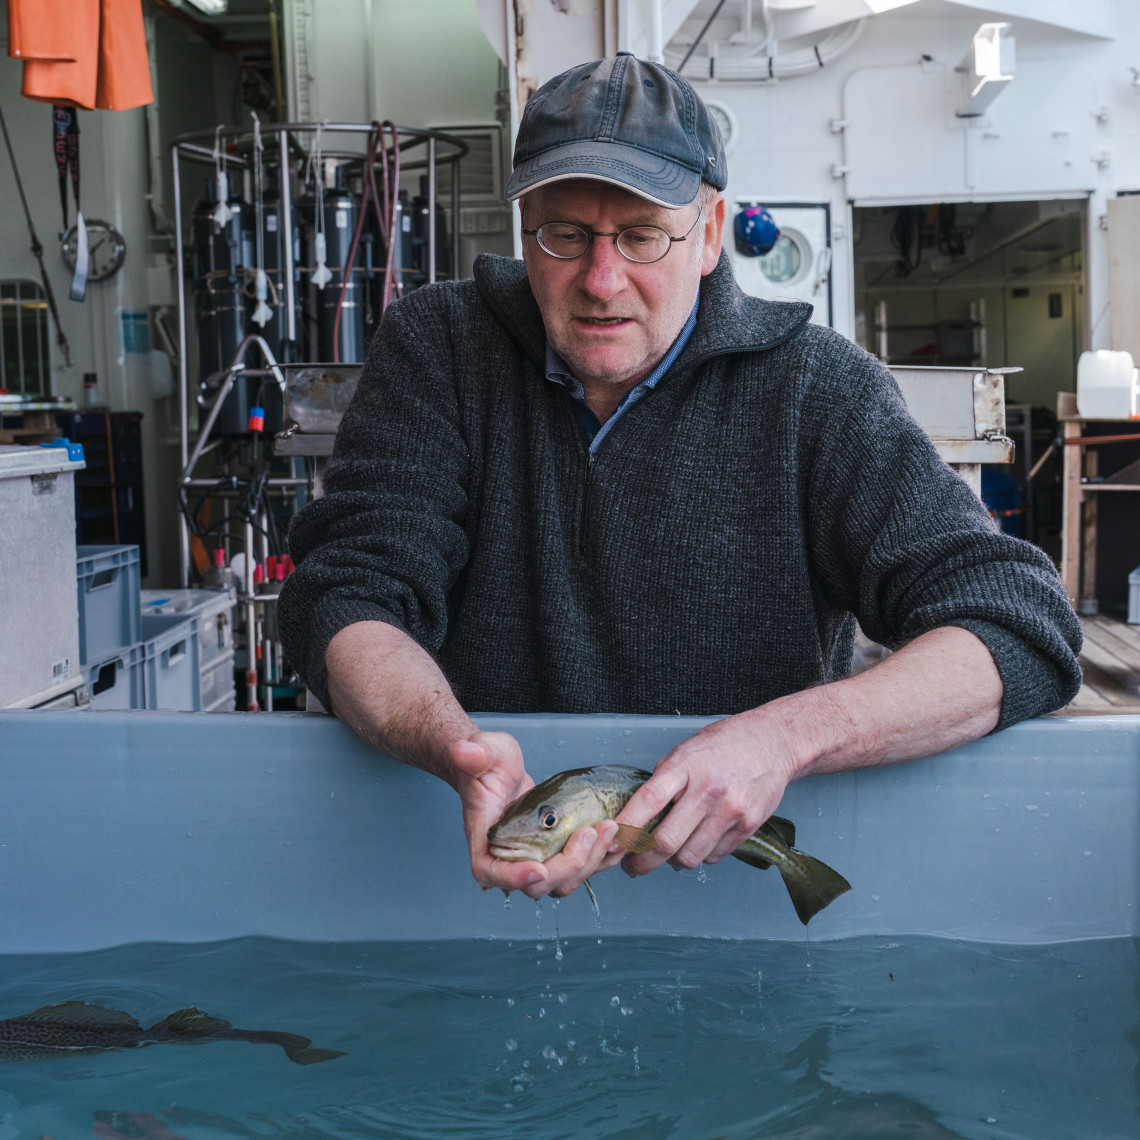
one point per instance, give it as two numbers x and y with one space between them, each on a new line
1106 385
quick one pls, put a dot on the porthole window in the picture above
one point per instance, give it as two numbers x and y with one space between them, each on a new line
782 262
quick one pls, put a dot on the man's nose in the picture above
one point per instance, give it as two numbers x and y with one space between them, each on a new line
603 269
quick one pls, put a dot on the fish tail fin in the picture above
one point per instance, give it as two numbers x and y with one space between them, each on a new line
812 885
297 1048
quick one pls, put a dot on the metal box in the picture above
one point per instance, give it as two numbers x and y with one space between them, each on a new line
39 620
963 412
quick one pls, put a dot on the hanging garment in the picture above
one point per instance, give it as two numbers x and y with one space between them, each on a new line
42 29
109 70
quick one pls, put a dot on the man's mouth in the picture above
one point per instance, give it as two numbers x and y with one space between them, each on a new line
603 322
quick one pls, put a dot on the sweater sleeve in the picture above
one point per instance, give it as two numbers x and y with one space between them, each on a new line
386 540
900 540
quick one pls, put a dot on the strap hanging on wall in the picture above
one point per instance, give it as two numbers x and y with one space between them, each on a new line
65 144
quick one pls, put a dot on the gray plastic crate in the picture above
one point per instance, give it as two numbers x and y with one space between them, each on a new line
219 692
107 579
214 611
170 651
119 681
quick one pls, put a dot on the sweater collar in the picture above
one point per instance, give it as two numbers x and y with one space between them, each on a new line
728 319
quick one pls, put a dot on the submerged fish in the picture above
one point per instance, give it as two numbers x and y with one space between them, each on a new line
76 1027
538 824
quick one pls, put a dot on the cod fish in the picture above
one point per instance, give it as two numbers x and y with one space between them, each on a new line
538 824
76 1027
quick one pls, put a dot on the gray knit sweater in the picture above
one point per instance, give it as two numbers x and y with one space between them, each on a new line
709 558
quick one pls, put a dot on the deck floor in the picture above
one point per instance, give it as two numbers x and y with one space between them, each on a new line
1111 663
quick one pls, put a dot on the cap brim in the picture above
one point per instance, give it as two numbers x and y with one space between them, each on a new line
657 179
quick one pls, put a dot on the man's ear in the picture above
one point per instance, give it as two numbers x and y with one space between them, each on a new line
715 214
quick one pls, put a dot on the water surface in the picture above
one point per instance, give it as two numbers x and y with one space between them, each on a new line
614 1038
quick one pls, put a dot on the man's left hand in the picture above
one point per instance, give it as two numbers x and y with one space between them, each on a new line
724 781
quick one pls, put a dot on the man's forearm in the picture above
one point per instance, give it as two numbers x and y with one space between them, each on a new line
940 691
392 694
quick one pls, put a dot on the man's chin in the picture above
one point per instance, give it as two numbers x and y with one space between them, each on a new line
603 368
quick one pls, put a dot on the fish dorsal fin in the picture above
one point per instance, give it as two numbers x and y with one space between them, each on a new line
192 1022
784 828
80 1013
635 839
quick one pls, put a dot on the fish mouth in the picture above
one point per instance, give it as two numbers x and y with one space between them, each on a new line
516 852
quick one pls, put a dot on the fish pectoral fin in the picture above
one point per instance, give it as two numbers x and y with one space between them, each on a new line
192 1022
635 839
80 1013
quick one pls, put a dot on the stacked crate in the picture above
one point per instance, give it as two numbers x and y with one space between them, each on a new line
214 611
132 660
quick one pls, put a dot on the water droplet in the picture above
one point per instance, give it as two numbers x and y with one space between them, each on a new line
512 1044
1086 854
1032 807
874 898
702 877
989 1120
636 1061
615 1001
542 1011
561 999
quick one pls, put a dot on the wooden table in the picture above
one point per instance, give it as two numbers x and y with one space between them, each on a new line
1079 496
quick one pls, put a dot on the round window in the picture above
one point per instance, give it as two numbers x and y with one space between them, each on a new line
782 262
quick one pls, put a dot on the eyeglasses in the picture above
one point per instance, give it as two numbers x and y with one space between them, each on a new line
642 244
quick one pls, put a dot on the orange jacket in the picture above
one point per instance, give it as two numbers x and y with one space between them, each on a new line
81 53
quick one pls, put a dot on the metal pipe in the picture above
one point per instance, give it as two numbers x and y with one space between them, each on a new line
183 372
272 481
431 210
455 220
656 33
287 239
251 639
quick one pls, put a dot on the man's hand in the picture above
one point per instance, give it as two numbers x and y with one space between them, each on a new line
723 783
489 775
939 691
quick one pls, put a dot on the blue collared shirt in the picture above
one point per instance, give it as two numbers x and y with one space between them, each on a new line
596 431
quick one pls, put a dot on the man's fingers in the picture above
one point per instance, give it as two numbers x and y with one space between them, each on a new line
582 857
652 798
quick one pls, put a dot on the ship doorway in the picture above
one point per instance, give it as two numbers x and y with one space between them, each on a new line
999 284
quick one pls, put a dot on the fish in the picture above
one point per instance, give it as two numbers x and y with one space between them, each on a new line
538 824
70 1027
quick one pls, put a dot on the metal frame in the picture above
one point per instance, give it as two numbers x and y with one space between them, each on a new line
198 147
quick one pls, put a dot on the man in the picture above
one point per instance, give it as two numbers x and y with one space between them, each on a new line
604 480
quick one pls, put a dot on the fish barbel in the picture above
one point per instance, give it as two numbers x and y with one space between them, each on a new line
539 823
70 1027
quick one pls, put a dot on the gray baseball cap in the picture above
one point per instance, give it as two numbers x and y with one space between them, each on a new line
620 120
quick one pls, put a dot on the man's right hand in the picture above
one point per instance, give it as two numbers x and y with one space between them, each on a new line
489 775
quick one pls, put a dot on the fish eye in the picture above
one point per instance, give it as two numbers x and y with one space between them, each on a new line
547 817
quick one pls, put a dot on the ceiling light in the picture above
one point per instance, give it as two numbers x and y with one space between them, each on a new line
209 7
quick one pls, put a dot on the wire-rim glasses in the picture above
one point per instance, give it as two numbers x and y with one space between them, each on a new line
641 244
